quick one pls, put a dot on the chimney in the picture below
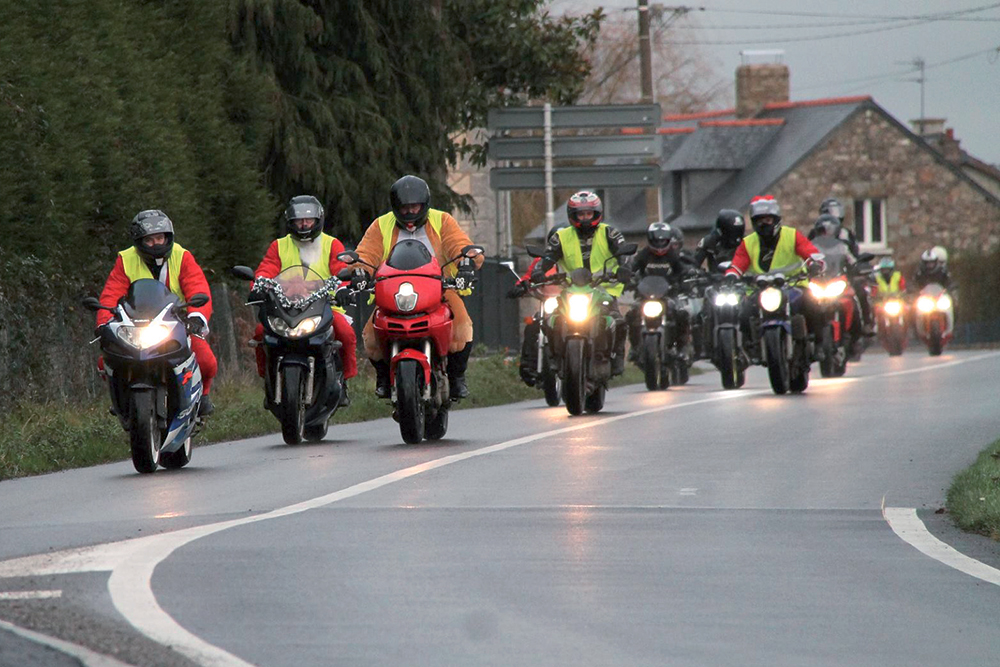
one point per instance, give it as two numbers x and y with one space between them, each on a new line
949 147
759 83
928 127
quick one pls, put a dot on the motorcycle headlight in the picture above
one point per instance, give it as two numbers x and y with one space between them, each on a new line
406 298
816 290
144 337
652 309
550 305
944 302
579 307
770 299
836 288
925 304
893 308
727 299
305 327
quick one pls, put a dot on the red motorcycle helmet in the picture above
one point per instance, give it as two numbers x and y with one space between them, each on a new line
577 208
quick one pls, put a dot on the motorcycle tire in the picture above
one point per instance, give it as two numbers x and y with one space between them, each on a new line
893 342
683 373
651 362
437 427
799 376
595 402
315 432
776 349
409 404
934 346
827 363
729 366
292 408
144 434
575 376
551 387
178 459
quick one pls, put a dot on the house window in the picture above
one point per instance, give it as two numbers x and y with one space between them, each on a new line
869 221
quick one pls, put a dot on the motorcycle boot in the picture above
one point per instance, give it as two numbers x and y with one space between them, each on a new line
345 400
458 362
382 389
618 360
205 408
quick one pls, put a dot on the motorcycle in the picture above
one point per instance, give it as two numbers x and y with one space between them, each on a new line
782 337
304 379
582 335
661 356
891 313
840 338
935 318
153 376
546 375
413 327
726 342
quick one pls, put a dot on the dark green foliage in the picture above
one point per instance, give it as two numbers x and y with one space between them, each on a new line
976 282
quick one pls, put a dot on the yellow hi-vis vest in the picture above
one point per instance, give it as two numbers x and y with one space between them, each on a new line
136 269
784 253
891 287
289 255
435 218
600 252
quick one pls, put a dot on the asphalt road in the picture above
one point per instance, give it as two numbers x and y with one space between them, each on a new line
686 527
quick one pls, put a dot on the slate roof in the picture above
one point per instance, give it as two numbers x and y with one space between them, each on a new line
718 146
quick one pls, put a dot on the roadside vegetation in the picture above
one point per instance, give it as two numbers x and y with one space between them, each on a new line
46 437
974 496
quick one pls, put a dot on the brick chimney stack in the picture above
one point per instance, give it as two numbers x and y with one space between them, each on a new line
758 84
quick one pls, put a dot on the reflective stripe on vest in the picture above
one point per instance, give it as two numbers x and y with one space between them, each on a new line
136 269
892 287
784 253
435 218
572 255
289 255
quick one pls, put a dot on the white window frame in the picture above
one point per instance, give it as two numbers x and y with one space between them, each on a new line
865 239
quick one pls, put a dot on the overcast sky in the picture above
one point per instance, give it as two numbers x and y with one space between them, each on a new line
842 48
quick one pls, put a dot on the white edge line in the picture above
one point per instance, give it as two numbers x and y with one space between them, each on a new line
908 526
29 595
85 655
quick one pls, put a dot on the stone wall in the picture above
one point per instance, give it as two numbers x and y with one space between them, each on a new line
927 203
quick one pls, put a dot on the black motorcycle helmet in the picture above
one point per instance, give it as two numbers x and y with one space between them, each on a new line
410 190
832 206
765 216
731 227
827 225
585 200
304 207
664 240
149 222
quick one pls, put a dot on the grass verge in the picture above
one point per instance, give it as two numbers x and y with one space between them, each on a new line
41 438
974 497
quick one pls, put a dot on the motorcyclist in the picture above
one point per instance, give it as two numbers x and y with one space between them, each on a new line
306 243
155 255
829 225
662 256
932 270
832 206
529 342
720 244
772 245
412 217
888 280
589 242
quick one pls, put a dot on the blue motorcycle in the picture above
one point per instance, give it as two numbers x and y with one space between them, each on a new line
152 374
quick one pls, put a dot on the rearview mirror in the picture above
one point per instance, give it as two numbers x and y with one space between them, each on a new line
627 249
348 257
242 272
198 300
91 303
534 251
471 251
866 257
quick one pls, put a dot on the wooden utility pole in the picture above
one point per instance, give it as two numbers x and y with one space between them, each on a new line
645 54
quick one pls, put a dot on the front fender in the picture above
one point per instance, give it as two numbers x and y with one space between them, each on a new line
416 355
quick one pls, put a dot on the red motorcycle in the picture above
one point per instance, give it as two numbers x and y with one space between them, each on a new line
413 327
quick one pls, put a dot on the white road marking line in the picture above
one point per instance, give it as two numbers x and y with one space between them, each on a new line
132 561
905 523
29 595
688 492
84 655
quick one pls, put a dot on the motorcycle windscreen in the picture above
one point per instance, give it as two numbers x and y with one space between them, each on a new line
298 282
408 255
146 298
653 287
835 254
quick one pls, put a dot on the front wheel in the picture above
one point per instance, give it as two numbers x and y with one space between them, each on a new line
293 408
144 434
776 350
651 362
550 384
575 380
934 345
728 358
409 404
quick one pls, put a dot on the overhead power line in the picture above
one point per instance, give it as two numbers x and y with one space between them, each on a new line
889 17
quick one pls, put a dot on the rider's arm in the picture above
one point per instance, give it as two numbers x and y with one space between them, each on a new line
370 248
193 281
902 284
553 253
454 238
701 253
615 239
639 262
741 261
335 264
270 266
531 267
115 288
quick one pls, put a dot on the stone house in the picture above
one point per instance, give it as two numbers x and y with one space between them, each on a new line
902 192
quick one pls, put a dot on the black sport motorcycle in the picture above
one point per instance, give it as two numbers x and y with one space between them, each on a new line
152 374
783 337
662 353
725 348
304 377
